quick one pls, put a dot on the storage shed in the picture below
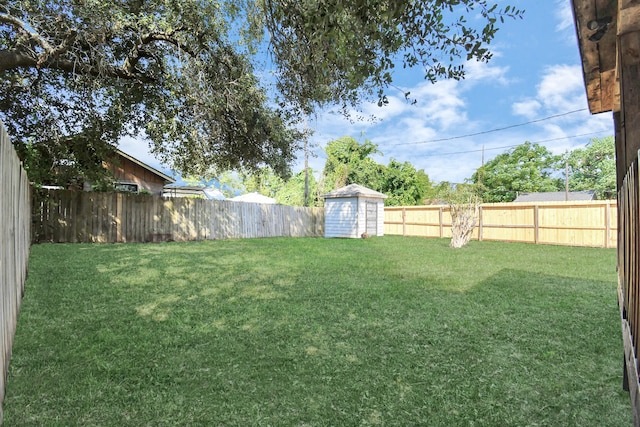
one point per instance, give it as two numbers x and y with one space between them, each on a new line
353 210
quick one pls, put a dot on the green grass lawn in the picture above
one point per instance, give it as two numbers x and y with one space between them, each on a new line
385 331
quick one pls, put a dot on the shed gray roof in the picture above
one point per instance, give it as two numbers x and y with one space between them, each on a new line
556 196
354 190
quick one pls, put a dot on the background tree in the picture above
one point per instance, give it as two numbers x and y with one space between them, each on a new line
349 162
525 168
292 192
264 181
404 185
79 75
594 167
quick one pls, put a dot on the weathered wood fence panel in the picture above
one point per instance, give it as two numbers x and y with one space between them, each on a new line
629 280
68 216
15 201
589 223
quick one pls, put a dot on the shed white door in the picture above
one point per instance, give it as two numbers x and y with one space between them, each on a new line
372 218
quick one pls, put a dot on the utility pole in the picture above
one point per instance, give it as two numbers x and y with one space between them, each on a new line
481 170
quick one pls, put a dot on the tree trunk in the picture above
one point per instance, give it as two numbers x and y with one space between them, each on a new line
464 218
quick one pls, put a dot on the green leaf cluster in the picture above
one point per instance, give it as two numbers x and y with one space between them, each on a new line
350 162
529 167
337 51
594 167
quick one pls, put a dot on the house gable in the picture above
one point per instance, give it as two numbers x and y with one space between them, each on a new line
129 171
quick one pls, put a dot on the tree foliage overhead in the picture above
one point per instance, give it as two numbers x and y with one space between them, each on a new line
526 168
78 75
336 51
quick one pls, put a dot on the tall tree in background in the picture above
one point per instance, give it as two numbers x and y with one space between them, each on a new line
404 185
525 168
349 162
594 168
292 191
78 75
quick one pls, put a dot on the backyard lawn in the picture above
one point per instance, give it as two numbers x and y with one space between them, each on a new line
387 331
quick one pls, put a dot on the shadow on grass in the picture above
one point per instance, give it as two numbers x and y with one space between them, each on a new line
292 334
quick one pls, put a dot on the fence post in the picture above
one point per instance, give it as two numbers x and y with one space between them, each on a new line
119 217
404 224
480 223
536 228
607 225
441 219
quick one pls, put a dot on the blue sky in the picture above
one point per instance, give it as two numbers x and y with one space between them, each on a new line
534 77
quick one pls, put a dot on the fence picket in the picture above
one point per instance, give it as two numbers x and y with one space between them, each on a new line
15 229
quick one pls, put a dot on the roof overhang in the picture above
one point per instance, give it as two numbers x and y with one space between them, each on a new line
597 24
151 169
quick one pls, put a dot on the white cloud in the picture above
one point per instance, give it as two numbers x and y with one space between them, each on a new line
486 72
564 15
528 108
562 88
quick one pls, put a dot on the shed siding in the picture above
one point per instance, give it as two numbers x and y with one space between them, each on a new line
362 215
341 216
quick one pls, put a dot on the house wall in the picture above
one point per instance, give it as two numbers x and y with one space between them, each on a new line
341 217
127 171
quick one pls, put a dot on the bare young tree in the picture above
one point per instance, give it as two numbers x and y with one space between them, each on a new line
464 218
464 204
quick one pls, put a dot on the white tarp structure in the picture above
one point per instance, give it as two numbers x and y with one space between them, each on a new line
254 198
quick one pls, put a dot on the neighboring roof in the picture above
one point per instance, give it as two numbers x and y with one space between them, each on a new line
192 190
253 198
354 190
597 24
556 196
214 194
146 166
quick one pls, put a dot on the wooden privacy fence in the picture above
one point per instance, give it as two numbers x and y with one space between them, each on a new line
629 279
14 248
77 216
589 223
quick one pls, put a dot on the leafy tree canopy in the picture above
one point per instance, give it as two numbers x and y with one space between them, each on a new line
594 167
404 184
525 168
292 192
337 51
78 75
349 162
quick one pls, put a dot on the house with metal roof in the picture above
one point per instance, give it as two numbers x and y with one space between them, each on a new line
556 196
